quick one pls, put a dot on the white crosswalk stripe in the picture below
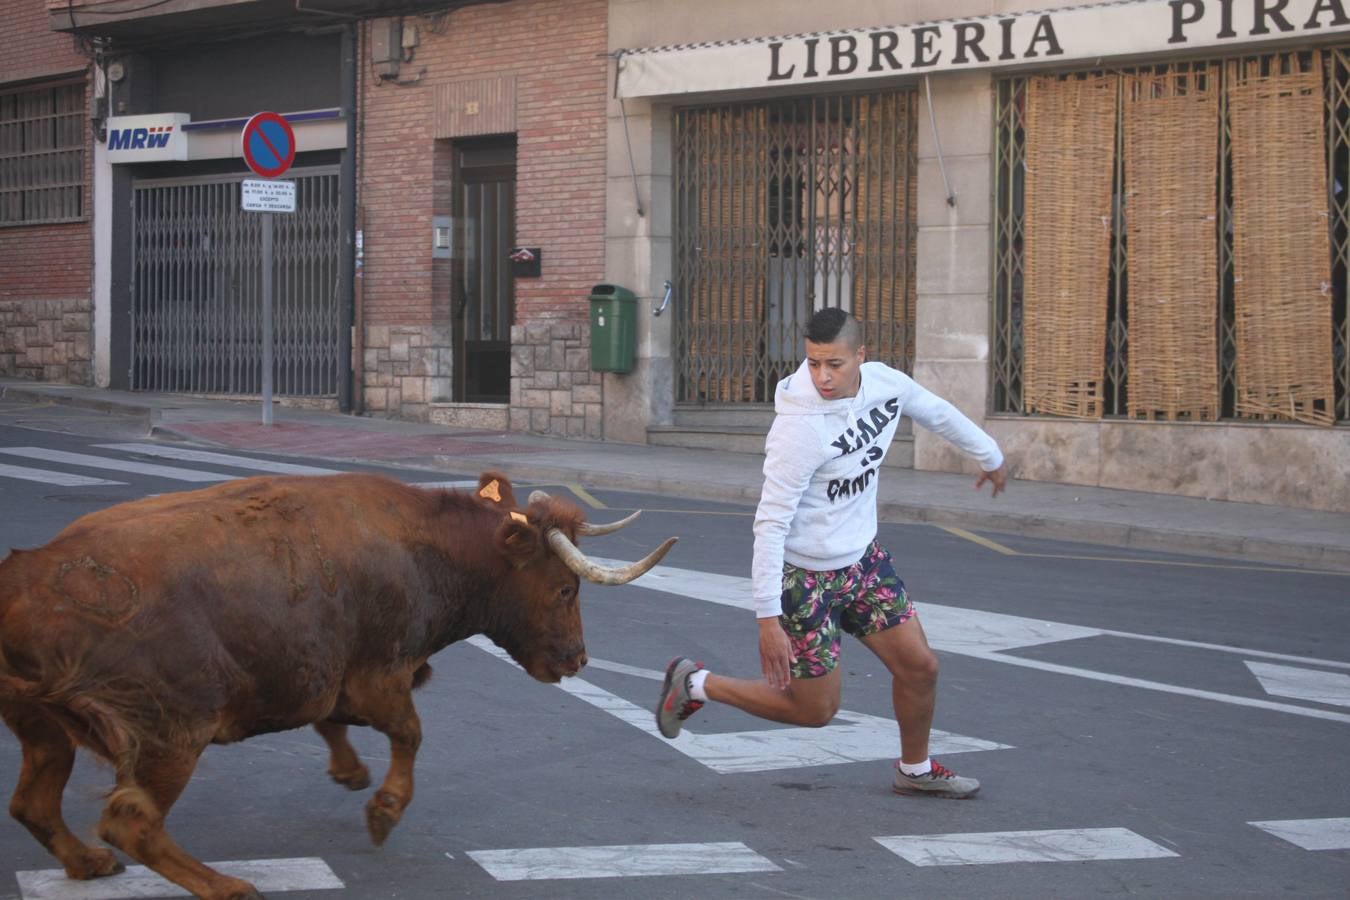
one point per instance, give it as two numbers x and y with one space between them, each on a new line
84 460
44 476
1056 845
267 875
1310 834
625 861
219 459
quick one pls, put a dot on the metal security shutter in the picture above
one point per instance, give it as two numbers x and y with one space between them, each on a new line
196 291
784 207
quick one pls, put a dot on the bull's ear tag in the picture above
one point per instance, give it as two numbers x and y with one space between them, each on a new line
519 517
490 492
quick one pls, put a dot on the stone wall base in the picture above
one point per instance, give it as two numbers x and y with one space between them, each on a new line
47 340
405 369
553 390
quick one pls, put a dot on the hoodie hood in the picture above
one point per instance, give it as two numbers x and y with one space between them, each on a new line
797 396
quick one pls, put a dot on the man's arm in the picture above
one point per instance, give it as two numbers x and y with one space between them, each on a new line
941 417
790 459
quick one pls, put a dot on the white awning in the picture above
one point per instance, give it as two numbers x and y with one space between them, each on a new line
1077 34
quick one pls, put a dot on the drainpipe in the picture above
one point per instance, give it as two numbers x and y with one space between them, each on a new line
347 193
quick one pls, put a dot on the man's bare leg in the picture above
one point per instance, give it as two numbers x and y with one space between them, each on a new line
914 671
806 701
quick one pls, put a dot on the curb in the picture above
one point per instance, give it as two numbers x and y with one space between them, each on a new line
98 404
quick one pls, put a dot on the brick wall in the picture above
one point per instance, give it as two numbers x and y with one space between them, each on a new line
554 50
45 270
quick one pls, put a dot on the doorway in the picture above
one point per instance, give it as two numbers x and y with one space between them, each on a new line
482 289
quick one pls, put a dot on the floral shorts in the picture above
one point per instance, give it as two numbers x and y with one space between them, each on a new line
864 598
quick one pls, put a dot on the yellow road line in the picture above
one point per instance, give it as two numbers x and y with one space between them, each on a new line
983 542
1190 565
1007 551
585 496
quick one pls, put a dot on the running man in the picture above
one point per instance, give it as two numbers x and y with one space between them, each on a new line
818 569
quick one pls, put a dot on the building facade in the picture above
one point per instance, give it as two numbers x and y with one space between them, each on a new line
1114 233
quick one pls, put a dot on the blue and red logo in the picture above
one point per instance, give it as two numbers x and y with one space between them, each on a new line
154 138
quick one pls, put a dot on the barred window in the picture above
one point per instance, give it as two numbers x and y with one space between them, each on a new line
42 155
1172 241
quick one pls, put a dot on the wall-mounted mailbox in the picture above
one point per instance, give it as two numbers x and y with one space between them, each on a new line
526 262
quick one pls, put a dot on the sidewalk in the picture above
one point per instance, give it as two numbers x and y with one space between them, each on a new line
1249 532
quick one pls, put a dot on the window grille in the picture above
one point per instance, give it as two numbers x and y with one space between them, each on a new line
42 141
1146 134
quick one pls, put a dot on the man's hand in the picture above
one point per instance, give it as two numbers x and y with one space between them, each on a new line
775 653
998 478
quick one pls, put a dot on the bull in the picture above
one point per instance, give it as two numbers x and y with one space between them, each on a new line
146 631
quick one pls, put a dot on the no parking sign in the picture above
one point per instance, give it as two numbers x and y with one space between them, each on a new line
268 144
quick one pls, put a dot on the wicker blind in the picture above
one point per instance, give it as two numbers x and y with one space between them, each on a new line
1070 142
1171 154
1281 248
885 292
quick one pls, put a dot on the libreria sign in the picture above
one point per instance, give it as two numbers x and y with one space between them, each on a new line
1081 33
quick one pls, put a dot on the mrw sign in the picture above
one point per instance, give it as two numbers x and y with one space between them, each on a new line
1077 34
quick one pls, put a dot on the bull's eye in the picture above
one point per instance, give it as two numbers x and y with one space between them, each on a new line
566 595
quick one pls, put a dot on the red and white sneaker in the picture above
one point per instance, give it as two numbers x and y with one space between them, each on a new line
676 704
941 782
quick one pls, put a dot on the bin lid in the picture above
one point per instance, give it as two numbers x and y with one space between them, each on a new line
611 292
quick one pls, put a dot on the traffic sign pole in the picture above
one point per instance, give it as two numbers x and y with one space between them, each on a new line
267 319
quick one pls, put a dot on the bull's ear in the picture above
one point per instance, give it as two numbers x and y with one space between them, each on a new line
496 488
518 540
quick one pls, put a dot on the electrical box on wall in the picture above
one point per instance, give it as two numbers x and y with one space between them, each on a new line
386 46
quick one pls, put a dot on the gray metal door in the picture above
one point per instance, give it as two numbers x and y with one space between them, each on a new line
196 288
784 207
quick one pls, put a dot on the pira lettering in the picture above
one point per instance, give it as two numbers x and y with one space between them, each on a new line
1265 15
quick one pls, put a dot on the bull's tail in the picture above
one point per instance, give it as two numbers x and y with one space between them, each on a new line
14 688
88 720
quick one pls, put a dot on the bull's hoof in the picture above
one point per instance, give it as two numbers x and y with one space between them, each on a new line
383 812
94 864
357 779
236 889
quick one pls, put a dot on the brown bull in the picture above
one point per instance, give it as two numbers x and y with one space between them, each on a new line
149 630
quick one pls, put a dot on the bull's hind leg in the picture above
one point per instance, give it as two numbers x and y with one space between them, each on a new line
48 757
385 701
133 822
344 766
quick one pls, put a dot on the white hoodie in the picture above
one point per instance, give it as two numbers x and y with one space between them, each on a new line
822 459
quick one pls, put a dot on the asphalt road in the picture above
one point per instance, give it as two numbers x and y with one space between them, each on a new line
1131 716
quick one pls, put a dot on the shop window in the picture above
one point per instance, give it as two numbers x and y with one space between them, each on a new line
1171 241
42 147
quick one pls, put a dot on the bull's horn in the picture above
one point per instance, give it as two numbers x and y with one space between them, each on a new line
587 528
592 571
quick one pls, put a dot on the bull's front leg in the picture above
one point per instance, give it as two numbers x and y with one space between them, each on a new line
385 701
344 766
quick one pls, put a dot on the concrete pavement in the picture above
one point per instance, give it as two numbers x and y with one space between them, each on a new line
1252 533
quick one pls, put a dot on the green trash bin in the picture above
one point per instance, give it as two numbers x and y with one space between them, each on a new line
613 328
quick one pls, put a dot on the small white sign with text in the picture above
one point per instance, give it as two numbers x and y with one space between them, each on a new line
257 195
